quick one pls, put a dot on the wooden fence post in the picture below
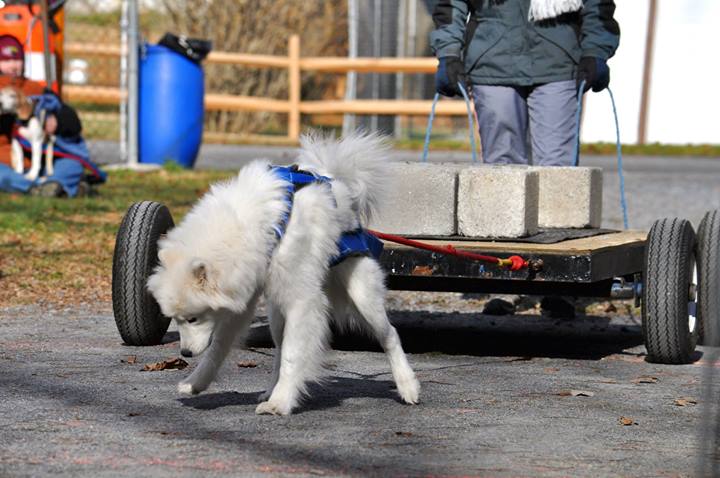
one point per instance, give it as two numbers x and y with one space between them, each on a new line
294 80
647 73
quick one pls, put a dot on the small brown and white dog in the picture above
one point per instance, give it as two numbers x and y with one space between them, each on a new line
12 100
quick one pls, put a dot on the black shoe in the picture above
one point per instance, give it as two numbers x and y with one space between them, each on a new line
498 307
557 308
50 189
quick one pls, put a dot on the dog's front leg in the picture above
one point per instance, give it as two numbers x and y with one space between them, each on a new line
304 340
17 157
34 134
210 361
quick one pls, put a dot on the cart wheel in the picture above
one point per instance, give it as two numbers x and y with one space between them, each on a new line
708 257
669 315
137 315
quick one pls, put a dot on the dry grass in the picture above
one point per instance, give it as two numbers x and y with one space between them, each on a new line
59 251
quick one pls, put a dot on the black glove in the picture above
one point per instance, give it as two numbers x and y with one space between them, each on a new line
595 72
450 71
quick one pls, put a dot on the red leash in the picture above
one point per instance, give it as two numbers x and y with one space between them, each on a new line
514 263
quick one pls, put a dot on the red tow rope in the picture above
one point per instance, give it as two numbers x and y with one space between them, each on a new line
514 263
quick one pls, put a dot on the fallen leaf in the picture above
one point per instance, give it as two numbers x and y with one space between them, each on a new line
422 271
610 308
170 364
626 421
684 402
247 364
131 359
404 434
608 380
134 414
551 370
645 379
576 393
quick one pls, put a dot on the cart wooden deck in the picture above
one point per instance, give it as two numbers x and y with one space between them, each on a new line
581 267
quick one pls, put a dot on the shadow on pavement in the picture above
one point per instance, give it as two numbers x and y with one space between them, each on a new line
211 401
327 395
584 338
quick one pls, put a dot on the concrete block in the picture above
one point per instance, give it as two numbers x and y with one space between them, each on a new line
497 201
570 197
421 201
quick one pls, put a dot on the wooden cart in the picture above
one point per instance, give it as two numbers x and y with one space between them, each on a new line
671 271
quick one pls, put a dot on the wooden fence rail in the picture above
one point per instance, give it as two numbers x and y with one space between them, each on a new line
294 106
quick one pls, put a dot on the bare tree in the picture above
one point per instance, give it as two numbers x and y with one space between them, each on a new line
263 27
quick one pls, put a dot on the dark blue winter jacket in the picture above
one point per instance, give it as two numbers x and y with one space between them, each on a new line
501 46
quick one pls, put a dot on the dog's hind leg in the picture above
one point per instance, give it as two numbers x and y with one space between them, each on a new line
49 153
364 280
277 324
304 341
211 360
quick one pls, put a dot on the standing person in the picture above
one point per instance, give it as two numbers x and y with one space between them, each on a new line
524 62
71 155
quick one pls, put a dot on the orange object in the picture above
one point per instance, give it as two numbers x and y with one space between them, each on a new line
24 23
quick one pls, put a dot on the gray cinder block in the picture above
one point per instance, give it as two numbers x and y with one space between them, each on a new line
570 197
497 201
421 200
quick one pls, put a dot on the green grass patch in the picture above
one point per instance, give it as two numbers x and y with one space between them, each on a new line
654 149
60 250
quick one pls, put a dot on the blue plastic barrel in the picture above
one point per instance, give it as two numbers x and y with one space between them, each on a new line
172 89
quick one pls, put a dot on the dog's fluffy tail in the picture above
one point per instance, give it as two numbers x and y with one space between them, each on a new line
359 160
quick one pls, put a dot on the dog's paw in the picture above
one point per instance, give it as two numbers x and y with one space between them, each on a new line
186 388
270 408
409 390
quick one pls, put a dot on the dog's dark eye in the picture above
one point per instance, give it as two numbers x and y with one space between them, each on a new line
192 320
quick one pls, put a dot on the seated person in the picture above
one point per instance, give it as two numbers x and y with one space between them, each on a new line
72 165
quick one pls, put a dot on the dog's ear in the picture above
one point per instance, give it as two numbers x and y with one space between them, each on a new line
199 271
168 255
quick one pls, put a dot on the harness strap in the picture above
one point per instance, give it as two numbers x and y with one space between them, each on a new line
351 243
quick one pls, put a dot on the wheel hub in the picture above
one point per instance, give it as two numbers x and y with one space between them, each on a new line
692 300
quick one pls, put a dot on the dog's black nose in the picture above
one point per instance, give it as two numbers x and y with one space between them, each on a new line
185 353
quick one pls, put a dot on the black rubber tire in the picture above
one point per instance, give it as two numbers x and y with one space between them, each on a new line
669 262
137 314
708 257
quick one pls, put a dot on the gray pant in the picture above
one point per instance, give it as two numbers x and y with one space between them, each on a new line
509 115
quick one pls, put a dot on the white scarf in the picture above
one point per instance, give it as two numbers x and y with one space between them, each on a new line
546 9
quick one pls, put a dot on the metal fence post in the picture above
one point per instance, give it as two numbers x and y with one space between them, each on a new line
294 79
133 93
49 76
124 81
351 84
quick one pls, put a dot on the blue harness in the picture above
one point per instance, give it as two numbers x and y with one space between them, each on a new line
352 243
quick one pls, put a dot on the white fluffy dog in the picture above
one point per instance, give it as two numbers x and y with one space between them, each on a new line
228 251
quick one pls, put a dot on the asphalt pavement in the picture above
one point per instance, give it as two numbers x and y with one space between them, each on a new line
655 187
518 396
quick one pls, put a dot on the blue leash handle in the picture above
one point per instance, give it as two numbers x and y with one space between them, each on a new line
471 124
621 176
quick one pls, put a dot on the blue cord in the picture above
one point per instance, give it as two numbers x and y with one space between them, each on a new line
621 176
431 118
620 163
578 111
471 125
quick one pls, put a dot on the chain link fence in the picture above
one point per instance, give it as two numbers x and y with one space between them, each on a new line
364 28
90 73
